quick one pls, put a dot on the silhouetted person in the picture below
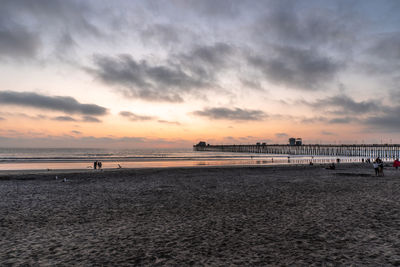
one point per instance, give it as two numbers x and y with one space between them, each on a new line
95 165
381 169
380 166
99 164
331 166
376 168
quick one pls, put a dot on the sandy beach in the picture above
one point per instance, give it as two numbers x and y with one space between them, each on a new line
245 216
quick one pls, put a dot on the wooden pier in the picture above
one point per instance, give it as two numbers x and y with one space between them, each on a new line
384 151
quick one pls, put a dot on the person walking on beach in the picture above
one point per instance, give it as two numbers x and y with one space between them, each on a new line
95 165
376 168
380 166
381 169
99 164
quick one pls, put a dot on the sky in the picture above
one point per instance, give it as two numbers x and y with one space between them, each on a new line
146 74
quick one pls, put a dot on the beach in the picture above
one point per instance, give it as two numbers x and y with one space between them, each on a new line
244 216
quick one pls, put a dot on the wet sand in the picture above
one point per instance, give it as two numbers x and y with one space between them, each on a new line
288 215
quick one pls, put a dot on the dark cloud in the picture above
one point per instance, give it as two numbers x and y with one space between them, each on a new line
16 42
162 33
2 119
63 118
134 117
206 62
303 45
90 119
382 57
56 103
389 120
342 104
144 80
211 8
235 114
214 56
24 115
328 120
382 120
297 68
342 120
57 20
303 25
180 74
387 47
75 15
84 119
66 43
76 132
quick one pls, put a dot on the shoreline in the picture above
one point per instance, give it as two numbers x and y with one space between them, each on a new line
193 164
44 172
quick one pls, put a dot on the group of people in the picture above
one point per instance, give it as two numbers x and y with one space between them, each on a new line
97 165
378 165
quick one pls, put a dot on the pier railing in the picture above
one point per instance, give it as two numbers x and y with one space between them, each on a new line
368 151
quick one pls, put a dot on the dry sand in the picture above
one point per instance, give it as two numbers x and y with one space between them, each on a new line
202 216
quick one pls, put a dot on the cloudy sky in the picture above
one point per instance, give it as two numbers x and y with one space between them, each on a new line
171 73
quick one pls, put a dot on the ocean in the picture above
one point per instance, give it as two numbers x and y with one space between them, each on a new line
83 158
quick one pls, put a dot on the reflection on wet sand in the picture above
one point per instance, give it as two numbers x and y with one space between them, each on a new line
166 163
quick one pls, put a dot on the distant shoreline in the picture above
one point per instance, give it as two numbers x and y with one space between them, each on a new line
16 174
267 160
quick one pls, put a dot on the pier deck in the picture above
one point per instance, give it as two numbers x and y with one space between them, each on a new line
385 151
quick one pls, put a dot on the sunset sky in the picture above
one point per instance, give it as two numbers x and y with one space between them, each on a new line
142 74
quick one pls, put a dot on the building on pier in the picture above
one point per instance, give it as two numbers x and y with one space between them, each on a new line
295 141
201 144
299 141
292 141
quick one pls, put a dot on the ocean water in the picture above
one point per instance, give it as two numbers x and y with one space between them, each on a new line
83 158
